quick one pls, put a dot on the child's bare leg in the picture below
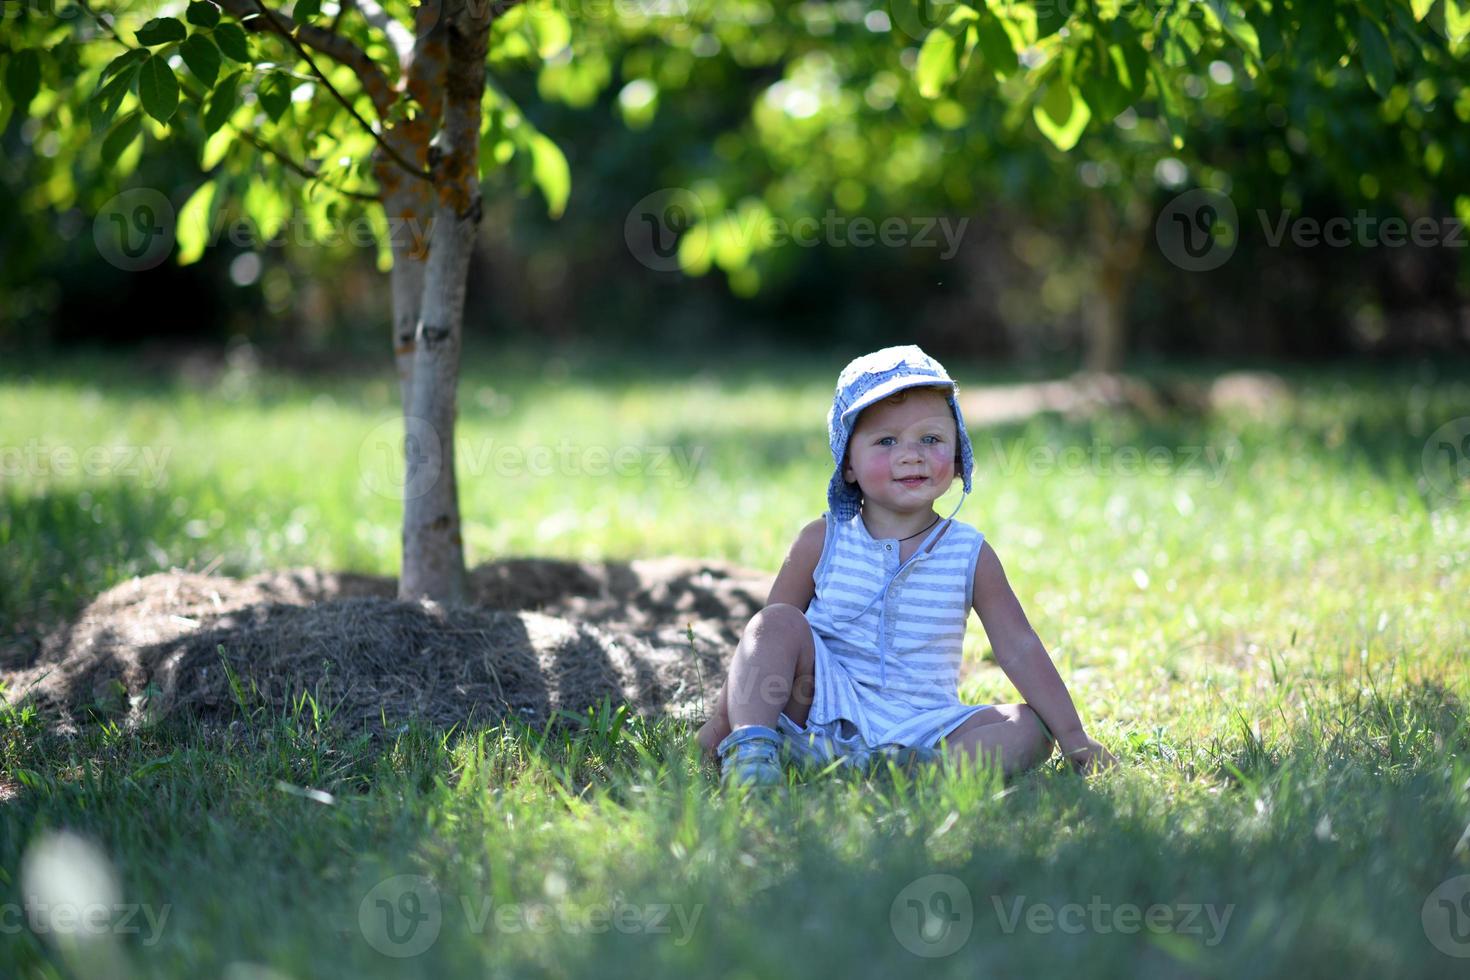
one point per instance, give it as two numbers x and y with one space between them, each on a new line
1011 731
773 671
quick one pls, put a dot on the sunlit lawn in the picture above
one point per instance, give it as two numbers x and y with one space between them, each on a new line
1269 628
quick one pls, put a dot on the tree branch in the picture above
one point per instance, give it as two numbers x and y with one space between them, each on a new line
301 168
329 43
260 144
283 26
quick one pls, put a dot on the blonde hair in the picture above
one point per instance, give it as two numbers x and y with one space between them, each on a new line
902 394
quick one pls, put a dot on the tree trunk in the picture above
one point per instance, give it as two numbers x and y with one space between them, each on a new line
1117 243
433 545
1105 325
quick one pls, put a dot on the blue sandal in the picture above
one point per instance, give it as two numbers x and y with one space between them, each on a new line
751 756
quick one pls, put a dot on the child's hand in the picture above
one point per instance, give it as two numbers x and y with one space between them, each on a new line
1088 756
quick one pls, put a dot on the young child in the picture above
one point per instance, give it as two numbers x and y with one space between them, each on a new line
856 654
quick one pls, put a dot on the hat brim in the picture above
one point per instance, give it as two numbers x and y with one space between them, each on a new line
882 391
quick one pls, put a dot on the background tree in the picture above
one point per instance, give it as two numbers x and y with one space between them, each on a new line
350 113
1082 109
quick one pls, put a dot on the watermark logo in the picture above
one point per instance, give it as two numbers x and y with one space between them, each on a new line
1446 459
134 231
655 225
400 459
933 916
1446 917
1198 230
401 916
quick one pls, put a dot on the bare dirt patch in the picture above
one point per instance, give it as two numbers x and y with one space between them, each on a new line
1085 394
540 636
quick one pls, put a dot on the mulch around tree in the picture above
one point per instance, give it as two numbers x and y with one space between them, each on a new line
538 637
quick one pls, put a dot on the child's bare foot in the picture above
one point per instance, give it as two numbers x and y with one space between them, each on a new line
710 735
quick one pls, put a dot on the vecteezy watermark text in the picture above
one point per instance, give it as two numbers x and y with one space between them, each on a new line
1073 918
1100 458
137 230
413 441
656 225
88 919
403 915
36 459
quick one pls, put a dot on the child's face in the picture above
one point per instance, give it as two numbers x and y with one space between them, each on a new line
902 456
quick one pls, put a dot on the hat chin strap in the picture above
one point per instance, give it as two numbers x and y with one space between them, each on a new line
958 504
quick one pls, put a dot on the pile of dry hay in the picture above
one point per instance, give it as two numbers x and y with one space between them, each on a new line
539 637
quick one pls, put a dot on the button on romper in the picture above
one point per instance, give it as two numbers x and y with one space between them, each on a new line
888 641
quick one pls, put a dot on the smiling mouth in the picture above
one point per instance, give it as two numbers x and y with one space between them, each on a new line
912 481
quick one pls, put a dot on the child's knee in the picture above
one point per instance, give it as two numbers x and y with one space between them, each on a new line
778 615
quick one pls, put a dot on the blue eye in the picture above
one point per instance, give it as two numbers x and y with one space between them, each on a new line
931 439
885 440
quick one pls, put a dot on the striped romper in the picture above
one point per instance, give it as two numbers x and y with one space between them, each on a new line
888 641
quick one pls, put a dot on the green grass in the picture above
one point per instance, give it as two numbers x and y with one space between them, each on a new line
1277 652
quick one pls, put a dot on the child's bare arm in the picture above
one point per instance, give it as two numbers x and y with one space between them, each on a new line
1020 653
795 582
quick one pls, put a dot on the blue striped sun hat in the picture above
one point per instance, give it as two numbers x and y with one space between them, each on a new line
869 379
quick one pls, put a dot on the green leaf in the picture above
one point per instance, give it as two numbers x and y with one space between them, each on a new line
221 103
1377 56
202 14
305 10
192 228
266 207
131 56
121 136
1050 16
215 149
23 77
158 89
945 52
1101 88
202 57
160 30
551 28
231 40
1061 115
1457 19
1115 82
1168 104
550 172
1239 29
996 45
1421 8
105 103
274 93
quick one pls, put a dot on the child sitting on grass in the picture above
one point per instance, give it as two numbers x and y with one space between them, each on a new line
856 655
